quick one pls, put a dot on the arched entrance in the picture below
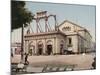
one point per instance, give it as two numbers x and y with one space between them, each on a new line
40 48
31 50
49 47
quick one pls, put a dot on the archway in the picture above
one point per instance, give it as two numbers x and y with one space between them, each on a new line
40 48
31 50
49 47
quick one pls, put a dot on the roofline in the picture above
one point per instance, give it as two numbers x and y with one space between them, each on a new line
74 24
86 31
77 35
44 33
71 23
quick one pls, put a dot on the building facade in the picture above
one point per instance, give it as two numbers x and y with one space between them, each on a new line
68 36
16 48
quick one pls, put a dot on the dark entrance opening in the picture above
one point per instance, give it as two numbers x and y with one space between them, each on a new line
61 49
30 52
40 49
49 49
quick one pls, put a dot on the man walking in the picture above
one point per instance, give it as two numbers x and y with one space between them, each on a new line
26 57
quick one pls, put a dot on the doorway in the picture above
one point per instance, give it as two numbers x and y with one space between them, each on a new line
61 49
49 49
40 49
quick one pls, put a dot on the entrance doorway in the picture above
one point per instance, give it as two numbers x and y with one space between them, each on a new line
31 48
49 49
30 52
61 49
40 49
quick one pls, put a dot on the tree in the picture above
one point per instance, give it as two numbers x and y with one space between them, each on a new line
20 16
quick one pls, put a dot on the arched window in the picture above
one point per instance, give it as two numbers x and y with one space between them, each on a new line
70 42
49 42
66 28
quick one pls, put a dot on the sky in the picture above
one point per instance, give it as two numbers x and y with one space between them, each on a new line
83 15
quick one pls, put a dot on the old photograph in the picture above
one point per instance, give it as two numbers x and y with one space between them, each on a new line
52 37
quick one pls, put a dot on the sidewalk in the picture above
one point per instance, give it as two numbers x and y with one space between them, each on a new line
82 61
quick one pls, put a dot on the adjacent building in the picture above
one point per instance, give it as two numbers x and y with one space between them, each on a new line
16 48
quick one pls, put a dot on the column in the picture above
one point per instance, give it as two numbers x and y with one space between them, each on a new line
54 46
44 46
36 47
26 46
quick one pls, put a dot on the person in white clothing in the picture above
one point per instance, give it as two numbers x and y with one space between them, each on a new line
20 66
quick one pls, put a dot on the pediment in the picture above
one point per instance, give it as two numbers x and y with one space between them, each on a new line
68 26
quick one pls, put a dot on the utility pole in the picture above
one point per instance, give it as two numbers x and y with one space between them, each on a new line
22 43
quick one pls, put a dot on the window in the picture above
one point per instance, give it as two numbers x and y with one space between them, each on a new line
17 50
70 40
66 28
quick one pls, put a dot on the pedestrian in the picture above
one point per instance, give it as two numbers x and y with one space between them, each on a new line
94 63
20 66
11 53
26 57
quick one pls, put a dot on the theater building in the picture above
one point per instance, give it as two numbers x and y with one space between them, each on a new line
67 36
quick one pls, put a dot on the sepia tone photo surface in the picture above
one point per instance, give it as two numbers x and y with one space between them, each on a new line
52 37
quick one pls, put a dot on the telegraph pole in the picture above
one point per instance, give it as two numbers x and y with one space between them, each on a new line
22 43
